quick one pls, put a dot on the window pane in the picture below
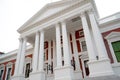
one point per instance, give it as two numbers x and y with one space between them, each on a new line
84 48
1 73
8 74
116 48
27 71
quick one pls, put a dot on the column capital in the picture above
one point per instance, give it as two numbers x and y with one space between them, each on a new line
90 11
41 31
25 38
20 39
37 32
57 24
82 14
63 21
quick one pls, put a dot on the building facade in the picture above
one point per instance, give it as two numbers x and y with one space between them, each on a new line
67 41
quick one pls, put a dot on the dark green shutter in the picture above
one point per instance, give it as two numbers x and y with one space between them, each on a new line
116 48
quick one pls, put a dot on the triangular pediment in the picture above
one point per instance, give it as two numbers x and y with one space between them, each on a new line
113 35
47 11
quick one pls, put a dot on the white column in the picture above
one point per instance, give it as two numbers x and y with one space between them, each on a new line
54 55
65 44
18 56
49 55
58 46
36 53
69 46
97 36
77 63
41 52
22 58
90 48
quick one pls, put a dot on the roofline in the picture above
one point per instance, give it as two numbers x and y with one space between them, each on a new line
110 18
12 53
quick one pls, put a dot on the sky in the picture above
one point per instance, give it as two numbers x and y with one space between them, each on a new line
14 13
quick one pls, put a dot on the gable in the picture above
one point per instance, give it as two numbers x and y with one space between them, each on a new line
112 35
47 11
51 11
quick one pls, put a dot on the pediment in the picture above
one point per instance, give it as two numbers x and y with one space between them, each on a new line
113 35
47 11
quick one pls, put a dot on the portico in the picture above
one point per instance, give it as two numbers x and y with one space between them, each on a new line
57 28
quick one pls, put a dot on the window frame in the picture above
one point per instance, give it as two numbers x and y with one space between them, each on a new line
113 37
9 65
2 67
81 40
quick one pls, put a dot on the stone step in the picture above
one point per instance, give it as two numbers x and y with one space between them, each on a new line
112 77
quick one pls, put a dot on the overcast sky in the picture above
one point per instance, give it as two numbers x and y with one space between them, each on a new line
14 13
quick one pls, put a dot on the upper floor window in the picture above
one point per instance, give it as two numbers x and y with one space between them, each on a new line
83 45
116 48
81 33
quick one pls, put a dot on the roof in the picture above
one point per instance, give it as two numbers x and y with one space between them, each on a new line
109 19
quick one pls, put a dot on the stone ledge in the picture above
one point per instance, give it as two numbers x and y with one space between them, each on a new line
112 77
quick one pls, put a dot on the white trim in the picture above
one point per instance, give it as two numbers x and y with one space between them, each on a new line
112 37
9 65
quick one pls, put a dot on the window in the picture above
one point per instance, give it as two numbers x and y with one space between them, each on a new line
8 74
116 48
1 74
83 45
62 51
45 54
62 63
27 71
81 33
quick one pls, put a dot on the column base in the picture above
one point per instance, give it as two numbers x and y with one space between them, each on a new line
100 68
63 73
18 77
78 75
37 75
110 77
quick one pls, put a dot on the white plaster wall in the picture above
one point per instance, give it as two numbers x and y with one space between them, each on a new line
116 68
